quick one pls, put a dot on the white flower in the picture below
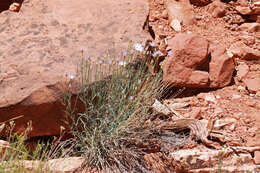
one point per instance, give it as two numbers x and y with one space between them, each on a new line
124 53
122 63
70 76
131 97
157 53
109 61
138 47
87 57
170 53
132 51
152 44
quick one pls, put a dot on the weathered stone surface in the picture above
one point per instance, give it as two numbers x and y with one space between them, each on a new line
247 39
157 163
253 84
258 19
217 9
15 7
257 157
43 42
243 3
203 160
250 27
229 169
176 25
190 51
245 8
62 165
43 108
181 11
190 65
242 51
242 71
221 67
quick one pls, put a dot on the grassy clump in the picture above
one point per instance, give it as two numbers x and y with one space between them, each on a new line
113 132
22 156
116 129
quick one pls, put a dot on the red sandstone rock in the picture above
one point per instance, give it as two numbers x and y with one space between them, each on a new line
203 160
244 52
253 84
245 10
189 65
249 27
15 7
243 3
258 19
253 141
257 157
217 9
43 42
62 165
221 67
194 113
242 71
248 40
189 52
180 10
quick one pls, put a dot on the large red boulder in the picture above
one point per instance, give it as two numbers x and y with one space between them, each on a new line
190 51
44 42
197 64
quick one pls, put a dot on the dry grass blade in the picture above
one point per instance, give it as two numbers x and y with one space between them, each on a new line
11 119
2 126
197 128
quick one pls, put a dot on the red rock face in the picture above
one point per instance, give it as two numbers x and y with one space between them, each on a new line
45 42
244 52
250 27
189 52
180 10
195 64
217 9
257 157
221 67
43 108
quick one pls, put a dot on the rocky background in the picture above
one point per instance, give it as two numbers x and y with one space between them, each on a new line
213 54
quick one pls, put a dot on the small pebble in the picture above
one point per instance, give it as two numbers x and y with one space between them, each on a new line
210 98
241 88
236 96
